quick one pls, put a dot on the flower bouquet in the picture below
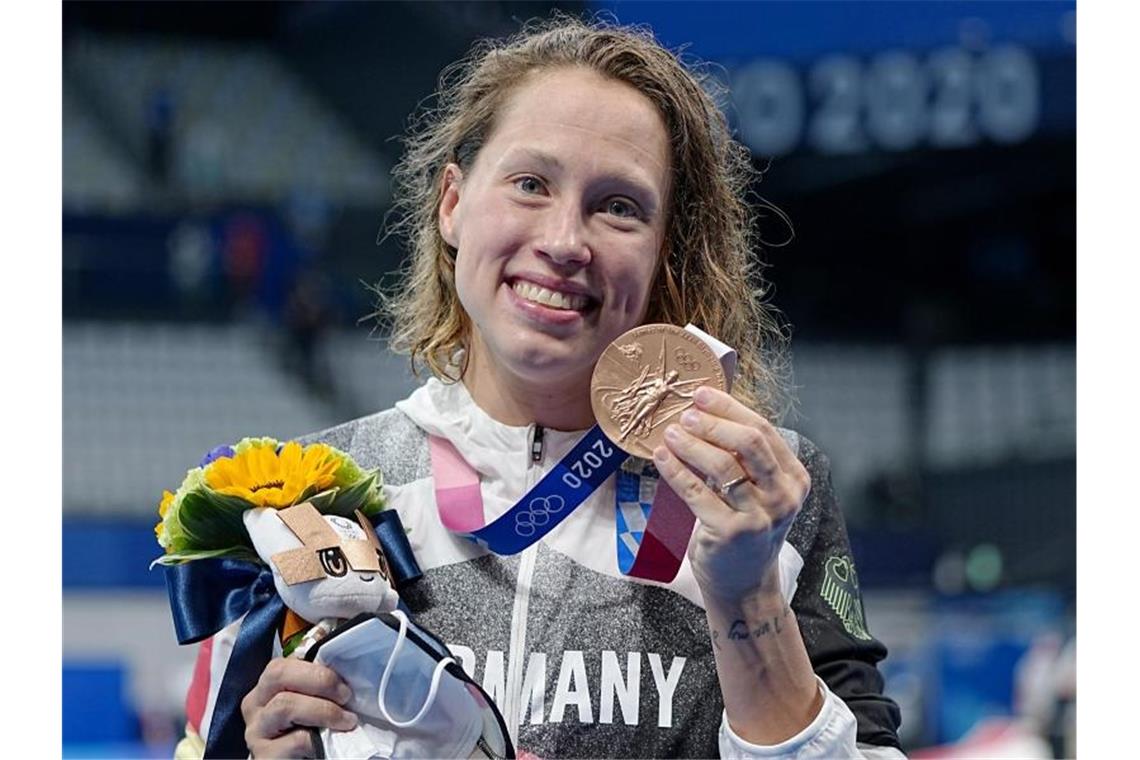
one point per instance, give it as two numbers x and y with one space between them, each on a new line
204 517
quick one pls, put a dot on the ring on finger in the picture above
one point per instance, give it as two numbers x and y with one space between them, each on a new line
725 488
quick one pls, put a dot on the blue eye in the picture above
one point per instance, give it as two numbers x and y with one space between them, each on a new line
529 185
621 207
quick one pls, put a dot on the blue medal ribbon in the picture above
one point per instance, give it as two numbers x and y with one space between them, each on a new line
653 524
560 492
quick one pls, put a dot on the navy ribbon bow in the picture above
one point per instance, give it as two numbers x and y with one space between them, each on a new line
206 595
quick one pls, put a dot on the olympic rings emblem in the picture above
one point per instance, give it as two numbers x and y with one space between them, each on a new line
686 360
537 514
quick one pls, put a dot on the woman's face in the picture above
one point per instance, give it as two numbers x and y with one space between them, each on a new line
559 224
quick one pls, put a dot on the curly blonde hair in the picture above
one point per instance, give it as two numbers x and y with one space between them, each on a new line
709 274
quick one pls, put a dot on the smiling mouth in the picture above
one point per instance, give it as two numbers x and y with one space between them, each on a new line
550 298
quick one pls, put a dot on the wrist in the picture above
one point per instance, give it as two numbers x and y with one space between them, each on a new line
766 595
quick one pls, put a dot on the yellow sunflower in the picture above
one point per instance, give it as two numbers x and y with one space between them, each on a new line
163 508
266 478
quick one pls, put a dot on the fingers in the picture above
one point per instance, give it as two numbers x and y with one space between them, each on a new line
751 436
731 442
287 710
298 743
289 694
291 674
725 521
705 504
716 463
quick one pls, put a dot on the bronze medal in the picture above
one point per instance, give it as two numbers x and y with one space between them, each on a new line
645 379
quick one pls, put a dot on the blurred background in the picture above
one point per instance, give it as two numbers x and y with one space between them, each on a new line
225 177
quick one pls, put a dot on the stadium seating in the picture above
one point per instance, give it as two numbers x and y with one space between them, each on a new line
96 177
244 127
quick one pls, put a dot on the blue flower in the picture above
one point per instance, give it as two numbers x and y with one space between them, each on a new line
217 453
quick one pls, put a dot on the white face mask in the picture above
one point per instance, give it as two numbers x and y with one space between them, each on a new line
412 699
393 660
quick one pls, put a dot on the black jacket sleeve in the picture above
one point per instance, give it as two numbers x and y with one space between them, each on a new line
829 608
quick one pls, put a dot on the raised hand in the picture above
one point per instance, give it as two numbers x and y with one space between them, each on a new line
757 486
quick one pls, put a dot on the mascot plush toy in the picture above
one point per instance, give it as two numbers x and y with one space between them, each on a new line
316 578
326 569
333 576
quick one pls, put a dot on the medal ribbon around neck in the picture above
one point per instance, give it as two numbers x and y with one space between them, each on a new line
652 534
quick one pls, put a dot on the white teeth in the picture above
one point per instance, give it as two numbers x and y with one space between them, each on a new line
551 298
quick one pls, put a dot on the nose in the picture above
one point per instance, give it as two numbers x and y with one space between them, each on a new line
563 238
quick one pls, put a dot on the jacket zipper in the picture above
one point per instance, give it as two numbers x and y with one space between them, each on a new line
536 444
515 665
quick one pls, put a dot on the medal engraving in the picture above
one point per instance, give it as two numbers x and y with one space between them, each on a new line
645 379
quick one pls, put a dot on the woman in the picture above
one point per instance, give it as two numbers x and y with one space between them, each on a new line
576 181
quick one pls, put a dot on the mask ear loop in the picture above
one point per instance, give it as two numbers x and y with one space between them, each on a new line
436 676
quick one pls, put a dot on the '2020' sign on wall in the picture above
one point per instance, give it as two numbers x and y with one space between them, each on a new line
895 101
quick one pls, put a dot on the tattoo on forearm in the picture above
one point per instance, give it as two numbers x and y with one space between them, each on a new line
739 630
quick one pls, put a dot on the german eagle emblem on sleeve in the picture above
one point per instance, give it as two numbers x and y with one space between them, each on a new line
840 590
